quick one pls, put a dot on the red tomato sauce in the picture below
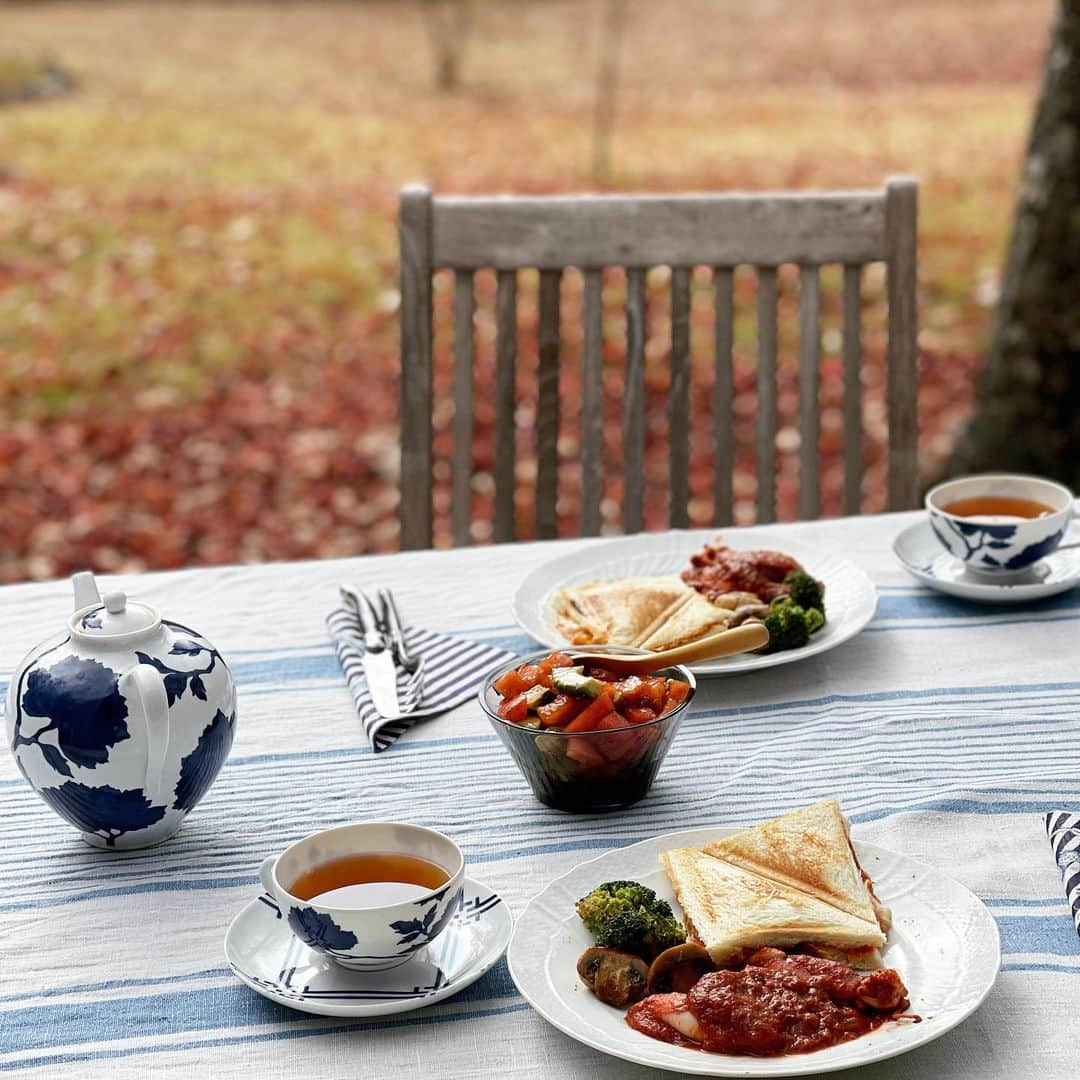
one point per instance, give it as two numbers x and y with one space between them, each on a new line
778 1004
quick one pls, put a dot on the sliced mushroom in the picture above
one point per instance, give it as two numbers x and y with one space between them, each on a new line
748 613
677 970
734 600
616 978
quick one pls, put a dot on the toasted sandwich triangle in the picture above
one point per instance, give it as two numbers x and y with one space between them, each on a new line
692 619
732 912
810 850
618 612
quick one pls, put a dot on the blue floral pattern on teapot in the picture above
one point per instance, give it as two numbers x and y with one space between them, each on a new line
121 724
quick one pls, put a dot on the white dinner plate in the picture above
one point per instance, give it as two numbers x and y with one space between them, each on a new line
267 956
850 597
943 942
922 556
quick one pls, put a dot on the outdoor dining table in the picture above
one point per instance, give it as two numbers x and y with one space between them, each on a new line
946 728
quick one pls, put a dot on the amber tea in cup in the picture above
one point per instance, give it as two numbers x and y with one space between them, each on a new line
997 508
369 880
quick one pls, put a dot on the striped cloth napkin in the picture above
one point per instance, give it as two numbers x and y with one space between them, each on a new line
1063 828
453 668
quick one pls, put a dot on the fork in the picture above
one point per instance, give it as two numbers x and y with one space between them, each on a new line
409 697
413 666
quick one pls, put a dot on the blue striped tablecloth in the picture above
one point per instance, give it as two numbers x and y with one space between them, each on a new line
946 728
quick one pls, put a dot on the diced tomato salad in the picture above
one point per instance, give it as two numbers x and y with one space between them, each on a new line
557 695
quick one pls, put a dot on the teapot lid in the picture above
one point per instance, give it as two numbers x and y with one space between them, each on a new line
114 615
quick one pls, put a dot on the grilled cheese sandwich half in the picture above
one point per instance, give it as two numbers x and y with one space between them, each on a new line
808 849
651 613
618 612
692 619
732 912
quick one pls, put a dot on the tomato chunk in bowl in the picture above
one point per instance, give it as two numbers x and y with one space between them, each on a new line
585 738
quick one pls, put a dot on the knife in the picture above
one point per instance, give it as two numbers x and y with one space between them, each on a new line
378 658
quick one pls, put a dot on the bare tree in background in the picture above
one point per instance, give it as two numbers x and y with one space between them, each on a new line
1028 406
612 31
449 23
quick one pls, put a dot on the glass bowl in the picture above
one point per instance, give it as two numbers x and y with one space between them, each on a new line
587 772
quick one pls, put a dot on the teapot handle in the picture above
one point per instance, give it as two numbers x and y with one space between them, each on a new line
149 691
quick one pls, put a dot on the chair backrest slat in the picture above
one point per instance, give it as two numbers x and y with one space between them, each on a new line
901 216
852 339
679 401
809 377
766 387
723 396
592 405
547 407
554 232
462 466
593 233
416 382
505 402
634 403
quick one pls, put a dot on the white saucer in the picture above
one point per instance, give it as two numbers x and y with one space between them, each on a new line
265 955
923 557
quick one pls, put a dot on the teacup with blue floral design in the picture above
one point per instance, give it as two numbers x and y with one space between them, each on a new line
373 938
999 545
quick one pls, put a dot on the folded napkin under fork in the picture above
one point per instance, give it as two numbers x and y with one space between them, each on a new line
1063 828
453 668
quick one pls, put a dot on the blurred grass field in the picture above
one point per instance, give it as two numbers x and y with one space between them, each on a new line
198 258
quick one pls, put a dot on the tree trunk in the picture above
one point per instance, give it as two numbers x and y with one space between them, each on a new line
447 69
1027 415
449 22
607 87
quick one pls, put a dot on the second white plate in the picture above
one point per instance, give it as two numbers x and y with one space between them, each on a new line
850 597
943 942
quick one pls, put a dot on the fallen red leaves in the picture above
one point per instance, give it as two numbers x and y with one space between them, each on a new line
256 468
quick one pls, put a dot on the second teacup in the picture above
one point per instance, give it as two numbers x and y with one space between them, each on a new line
999 523
369 895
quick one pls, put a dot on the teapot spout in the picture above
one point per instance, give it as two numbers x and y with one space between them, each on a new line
86 590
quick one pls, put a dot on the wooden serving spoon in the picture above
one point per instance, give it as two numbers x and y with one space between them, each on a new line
742 639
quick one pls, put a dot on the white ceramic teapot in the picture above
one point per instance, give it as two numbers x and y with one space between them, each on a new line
121 724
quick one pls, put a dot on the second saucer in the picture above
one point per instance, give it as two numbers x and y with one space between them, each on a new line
922 556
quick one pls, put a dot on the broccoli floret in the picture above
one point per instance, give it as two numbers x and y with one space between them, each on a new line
788 626
616 896
630 917
623 929
806 591
815 620
665 933
605 902
633 893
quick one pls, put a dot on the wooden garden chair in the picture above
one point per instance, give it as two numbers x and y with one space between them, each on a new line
637 232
